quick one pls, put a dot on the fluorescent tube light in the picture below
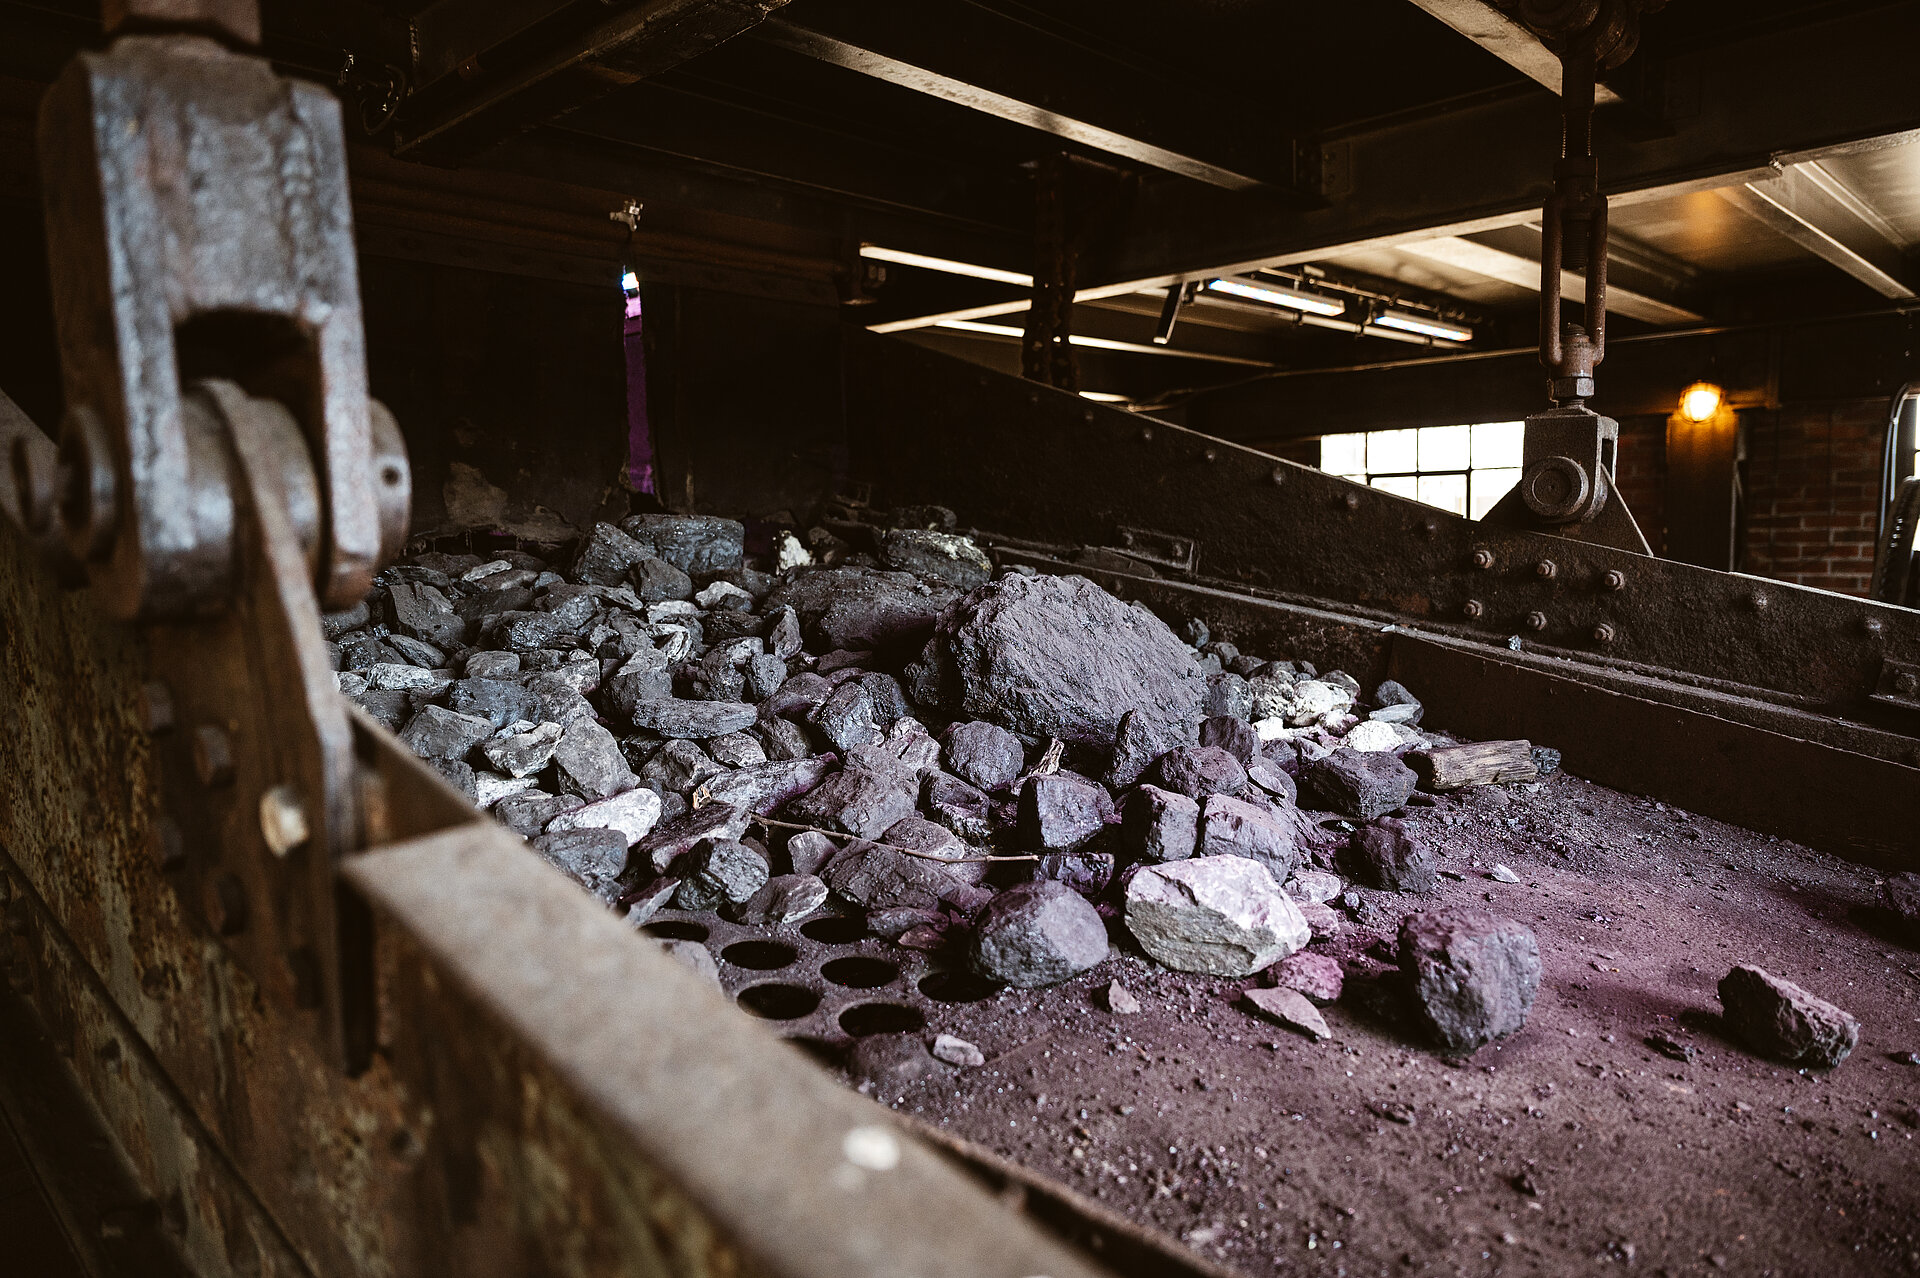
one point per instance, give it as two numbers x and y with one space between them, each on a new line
1277 295
1424 325
630 282
899 257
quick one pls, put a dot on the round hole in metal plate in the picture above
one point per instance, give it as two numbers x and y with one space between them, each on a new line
858 972
863 1019
957 987
837 930
778 1002
677 930
760 956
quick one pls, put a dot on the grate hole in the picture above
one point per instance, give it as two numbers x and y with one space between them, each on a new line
778 1002
881 1018
761 956
834 931
677 930
860 973
957 987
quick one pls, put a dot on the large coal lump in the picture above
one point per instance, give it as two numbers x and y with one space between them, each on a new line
862 610
1059 657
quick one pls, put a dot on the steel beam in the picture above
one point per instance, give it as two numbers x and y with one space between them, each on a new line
1812 207
1005 67
1507 40
1733 108
1524 272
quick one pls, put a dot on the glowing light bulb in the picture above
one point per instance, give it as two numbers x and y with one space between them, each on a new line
1700 401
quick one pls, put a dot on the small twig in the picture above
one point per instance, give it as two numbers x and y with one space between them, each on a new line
891 847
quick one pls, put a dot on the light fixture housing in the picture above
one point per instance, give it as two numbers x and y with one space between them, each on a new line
1272 294
1424 325
629 282
900 257
1700 401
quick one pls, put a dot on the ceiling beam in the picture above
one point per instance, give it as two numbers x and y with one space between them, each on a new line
1801 91
1813 208
1524 272
636 40
1506 40
1004 67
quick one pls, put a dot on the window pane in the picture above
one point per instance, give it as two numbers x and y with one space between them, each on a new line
1444 447
1393 450
1498 443
1343 454
1400 485
1489 486
1448 492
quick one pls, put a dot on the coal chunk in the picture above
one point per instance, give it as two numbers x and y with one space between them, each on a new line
720 872
593 857
1059 813
877 878
521 754
762 787
1139 741
422 612
1360 785
692 543
1901 893
941 555
1473 975
786 898
983 754
1275 837
1228 695
1059 657
527 813
679 766
1234 735
1038 934
1159 825
960 807
655 580
1200 771
498 701
674 839
1387 854
1216 915
853 801
693 720
1391 693
845 719
589 763
436 733
1784 1022
863 610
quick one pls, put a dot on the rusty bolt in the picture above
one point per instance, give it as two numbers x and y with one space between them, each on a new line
1536 621
1603 633
1907 683
1483 558
1352 501
213 755
170 848
156 707
226 902
1146 433
1758 601
1614 580
1431 527
283 819
1209 454
1474 608
237 20
1546 570
1279 475
1872 625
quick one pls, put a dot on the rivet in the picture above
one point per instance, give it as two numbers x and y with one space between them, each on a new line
227 905
156 707
1536 621
169 847
1907 684
1279 475
1431 527
1126 538
283 820
1603 633
1474 608
1872 625
1146 432
1614 580
1209 454
212 755
1482 558
1546 570
1086 415
1758 601
1351 501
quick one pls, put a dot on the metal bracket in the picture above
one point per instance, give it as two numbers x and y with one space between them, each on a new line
1899 684
1167 550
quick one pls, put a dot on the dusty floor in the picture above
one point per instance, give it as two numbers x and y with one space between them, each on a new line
1572 1145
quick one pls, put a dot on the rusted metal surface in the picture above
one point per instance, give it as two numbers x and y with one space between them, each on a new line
1032 462
236 20
198 223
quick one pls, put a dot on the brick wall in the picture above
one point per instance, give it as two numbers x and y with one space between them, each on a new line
1812 484
1641 470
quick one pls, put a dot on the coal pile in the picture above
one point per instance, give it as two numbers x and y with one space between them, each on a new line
1013 772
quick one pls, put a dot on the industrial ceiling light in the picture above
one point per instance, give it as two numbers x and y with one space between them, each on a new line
1424 325
1257 290
1700 401
900 257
